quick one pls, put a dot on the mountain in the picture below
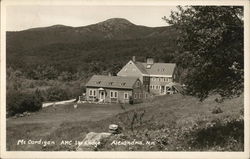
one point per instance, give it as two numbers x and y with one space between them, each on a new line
111 29
73 48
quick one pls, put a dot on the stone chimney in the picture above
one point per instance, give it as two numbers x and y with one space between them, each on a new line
133 58
149 61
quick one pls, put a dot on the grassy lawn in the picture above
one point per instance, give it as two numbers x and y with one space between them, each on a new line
170 121
45 122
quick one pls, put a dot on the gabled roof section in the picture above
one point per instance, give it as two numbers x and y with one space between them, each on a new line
112 82
141 67
157 68
132 69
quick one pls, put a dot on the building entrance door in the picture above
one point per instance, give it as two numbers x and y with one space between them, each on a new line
162 89
102 95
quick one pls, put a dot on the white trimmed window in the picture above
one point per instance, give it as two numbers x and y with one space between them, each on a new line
125 95
113 94
138 84
135 95
140 95
92 92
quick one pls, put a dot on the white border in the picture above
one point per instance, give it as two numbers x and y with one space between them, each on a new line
63 154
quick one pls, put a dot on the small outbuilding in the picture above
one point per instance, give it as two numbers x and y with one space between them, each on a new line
114 89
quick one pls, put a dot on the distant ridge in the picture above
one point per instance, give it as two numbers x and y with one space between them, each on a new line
110 40
111 21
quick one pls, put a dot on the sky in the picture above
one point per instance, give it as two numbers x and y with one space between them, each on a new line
27 16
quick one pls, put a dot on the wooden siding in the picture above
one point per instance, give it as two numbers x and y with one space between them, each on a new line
130 70
120 94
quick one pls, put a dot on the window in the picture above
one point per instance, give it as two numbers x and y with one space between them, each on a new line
125 95
138 84
135 95
92 92
140 95
110 83
98 82
123 84
113 94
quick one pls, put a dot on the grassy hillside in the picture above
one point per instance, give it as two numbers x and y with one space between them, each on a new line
173 123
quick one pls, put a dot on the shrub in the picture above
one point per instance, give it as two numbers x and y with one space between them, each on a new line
19 102
56 94
216 110
220 135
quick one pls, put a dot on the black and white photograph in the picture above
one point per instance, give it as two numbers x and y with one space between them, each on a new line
124 77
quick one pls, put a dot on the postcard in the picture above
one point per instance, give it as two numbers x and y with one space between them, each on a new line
124 79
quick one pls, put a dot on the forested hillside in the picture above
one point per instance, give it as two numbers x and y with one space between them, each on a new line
99 48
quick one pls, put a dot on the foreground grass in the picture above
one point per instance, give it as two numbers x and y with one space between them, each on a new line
171 123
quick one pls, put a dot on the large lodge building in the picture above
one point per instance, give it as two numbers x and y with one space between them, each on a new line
157 78
135 81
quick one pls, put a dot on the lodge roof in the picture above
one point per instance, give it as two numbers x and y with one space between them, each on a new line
111 82
156 68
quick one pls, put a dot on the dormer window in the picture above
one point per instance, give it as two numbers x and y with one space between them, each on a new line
98 82
148 66
123 84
